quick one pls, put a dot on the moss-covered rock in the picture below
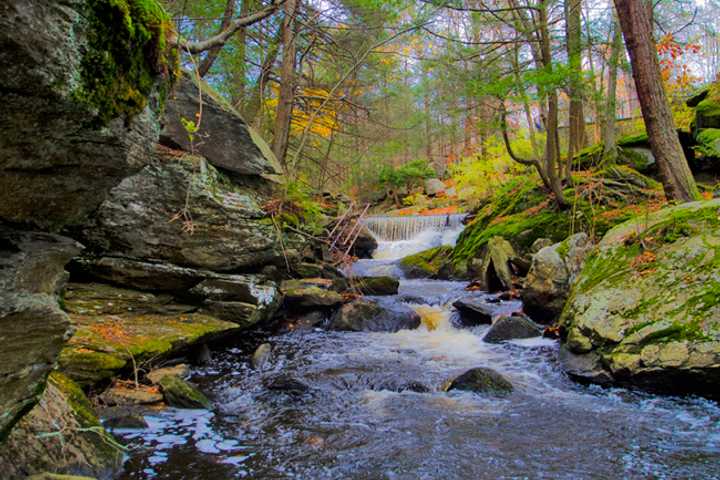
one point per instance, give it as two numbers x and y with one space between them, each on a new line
104 346
709 142
707 110
81 90
521 211
179 393
376 285
482 380
426 264
62 434
310 292
646 305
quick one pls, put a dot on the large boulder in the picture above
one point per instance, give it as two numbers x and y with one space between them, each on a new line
552 271
81 87
183 211
474 311
61 434
367 316
645 309
496 269
118 329
426 264
32 325
224 138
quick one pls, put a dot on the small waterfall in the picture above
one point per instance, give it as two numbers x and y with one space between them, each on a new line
393 229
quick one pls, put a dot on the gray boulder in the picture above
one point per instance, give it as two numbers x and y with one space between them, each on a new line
509 328
367 316
474 311
224 138
242 299
434 186
495 270
482 380
80 112
182 211
552 272
33 328
310 292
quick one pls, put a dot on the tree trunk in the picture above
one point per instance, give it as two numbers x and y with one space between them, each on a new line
576 134
637 29
213 53
610 109
283 113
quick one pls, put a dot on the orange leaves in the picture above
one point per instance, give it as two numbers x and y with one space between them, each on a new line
112 332
644 261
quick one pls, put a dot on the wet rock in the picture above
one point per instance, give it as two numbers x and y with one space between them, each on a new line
365 244
33 327
474 311
552 272
131 395
367 316
310 292
645 308
181 371
179 393
286 384
123 418
201 355
69 137
434 186
413 299
261 356
584 368
376 285
102 299
509 328
482 380
139 219
81 446
227 141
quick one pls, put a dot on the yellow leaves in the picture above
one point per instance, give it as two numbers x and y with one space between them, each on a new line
313 108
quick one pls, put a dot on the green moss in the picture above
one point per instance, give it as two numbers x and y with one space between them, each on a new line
638 139
76 399
126 56
426 263
709 142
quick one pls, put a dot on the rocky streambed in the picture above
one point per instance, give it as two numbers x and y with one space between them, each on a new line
376 405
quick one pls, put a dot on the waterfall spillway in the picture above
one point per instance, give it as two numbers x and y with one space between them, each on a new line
392 229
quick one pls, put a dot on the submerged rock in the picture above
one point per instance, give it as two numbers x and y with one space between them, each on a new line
286 384
509 328
367 316
646 309
261 356
376 285
482 380
61 434
552 272
179 393
33 328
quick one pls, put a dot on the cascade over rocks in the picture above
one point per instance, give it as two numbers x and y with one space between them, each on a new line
32 325
552 271
645 309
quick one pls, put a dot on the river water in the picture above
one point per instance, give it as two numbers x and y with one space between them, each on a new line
361 418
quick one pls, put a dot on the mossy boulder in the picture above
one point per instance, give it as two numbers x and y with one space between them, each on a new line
376 285
105 346
179 393
495 270
426 264
707 107
709 142
310 292
82 87
646 305
62 434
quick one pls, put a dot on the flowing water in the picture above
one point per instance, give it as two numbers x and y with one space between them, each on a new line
361 418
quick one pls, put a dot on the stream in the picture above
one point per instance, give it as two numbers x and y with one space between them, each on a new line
361 418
